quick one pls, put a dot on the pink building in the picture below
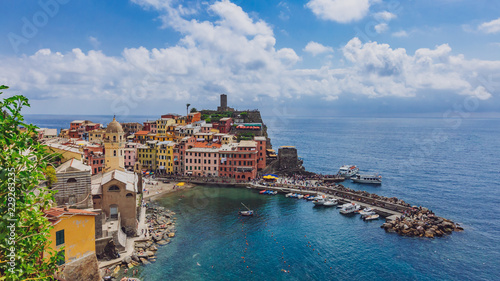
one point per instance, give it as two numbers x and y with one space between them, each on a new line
179 154
202 161
239 160
261 152
130 155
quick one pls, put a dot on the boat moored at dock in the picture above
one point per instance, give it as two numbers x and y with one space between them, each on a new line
348 171
350 209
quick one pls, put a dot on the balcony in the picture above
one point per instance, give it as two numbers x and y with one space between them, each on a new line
244 169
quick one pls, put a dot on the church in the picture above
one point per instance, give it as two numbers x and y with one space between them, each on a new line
116 190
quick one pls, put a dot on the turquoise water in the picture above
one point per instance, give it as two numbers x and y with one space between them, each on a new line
450 167
210 233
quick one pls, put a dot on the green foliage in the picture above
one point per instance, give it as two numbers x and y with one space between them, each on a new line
25 230
245 136
193 110
244 114
208 120
50 175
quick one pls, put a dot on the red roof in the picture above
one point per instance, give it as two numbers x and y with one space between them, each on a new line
142 133
207 145
54 214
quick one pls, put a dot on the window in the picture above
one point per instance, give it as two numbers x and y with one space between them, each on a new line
114 138
71 180
114 152
113 188
129 195
59 237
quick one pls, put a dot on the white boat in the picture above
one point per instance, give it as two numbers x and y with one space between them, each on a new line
371 217
246 213
372 179
330 202
348 171
367 212
350 209
300 196
289 194
319 201
343 205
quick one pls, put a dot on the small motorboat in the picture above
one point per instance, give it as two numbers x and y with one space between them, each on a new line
311 198
371 217
289 194
350 209
246 213
319 201
263 191
300 196
366 212
330 202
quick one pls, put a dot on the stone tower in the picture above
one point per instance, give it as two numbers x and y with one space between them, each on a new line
114 144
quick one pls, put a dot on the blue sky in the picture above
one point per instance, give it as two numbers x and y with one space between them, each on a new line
325 57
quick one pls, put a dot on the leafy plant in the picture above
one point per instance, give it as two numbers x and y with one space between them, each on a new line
25 230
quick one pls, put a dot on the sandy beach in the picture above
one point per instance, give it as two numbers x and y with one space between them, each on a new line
154 188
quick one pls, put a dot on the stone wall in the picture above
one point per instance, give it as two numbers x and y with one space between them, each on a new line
72 187
101 243
288 159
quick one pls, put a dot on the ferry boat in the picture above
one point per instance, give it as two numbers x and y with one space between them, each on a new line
348 171
371 179
350 209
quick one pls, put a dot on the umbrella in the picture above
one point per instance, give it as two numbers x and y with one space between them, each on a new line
181 184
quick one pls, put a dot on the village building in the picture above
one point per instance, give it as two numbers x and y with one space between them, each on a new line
114 143
73 184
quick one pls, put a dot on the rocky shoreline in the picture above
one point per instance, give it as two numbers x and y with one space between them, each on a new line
161 229
421 222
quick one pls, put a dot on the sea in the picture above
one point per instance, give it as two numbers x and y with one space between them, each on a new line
450 166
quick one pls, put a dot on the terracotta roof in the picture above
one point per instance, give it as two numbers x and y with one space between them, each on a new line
54 214
206 145
142 133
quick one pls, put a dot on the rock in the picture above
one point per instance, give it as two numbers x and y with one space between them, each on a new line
135 258
152 260
171 235
429 234
127 259
149 253
153 248
162 243
145 261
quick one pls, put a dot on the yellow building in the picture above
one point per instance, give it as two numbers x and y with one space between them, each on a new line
164 157
97 136
74 230
114 145
67 152
146 155
162 125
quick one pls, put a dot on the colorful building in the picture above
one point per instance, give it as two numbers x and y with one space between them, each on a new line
130 152
238 160
74 230
164 157
162 125
223 125
261 152
203 160
146 155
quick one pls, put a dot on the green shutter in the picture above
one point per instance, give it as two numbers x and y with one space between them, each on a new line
60 237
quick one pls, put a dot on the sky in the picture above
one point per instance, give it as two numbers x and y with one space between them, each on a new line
309 57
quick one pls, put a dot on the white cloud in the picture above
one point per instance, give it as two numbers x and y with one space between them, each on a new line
401 33
94 42
237 55
384 16
316 48
490 27
342 11
381 27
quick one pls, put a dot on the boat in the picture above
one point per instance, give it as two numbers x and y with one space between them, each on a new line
289 194
263 191
348 171
343 205
319 201
246 213
311 198
330 202
371 179
350 209
300 196
371 217
366 212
